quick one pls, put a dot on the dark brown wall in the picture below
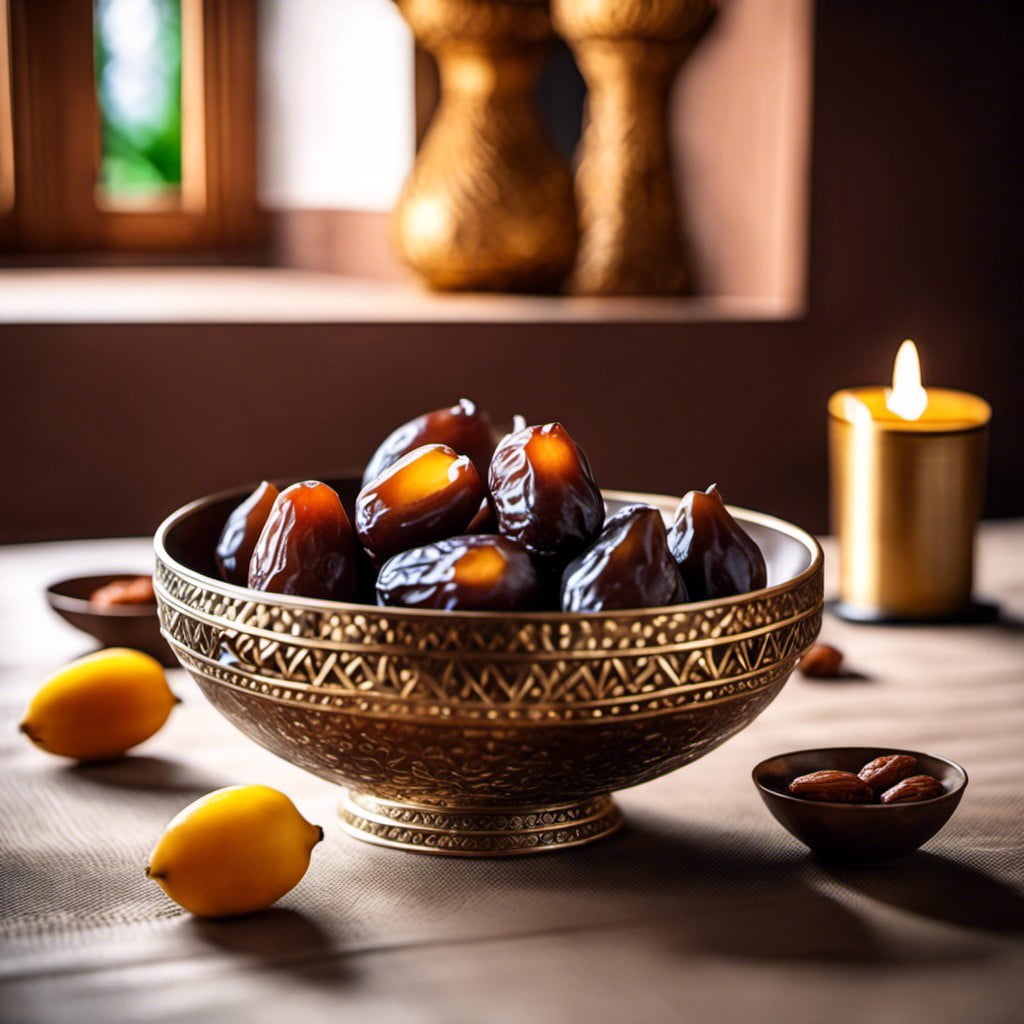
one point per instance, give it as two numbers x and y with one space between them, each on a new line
915 229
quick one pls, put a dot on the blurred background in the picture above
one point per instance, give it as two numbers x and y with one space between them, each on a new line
200 286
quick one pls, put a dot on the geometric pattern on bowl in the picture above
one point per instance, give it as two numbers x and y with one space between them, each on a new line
484 733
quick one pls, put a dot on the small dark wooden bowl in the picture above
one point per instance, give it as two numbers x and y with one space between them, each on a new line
857 833
126 625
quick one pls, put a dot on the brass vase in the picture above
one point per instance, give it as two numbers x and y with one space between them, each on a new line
489 202
629 52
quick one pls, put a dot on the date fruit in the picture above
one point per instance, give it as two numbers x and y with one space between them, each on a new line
628 566
912 789
464 428
427 495
307 546
715 555
483 521
469 573
241 531
832 786
822 661
134 591
887 770
544 492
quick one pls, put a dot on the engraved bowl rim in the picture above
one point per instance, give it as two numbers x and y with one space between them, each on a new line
323 605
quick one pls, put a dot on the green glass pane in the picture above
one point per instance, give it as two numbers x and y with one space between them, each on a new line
138 85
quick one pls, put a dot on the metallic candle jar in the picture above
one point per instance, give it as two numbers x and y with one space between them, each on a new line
906 498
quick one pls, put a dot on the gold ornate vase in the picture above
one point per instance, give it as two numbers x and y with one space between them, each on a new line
489 202
629 51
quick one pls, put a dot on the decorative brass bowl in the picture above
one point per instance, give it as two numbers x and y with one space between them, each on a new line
475 733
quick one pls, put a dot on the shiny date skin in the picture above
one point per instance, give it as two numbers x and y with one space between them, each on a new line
240 533
715 555
428 494
484 521
307 546
478 572
544 493
628 566
464 428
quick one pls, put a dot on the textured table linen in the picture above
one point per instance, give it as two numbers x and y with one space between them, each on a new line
703 909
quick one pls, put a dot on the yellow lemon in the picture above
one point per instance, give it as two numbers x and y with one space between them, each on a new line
233 851
100 705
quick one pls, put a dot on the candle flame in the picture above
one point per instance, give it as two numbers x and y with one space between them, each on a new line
907 398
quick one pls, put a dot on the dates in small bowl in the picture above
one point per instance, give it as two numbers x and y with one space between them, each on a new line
847 817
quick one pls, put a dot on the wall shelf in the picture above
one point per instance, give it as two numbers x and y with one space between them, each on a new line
275 295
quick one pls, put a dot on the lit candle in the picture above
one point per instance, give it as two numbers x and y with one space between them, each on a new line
908 469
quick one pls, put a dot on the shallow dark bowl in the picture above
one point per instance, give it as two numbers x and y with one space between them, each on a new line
126 625
859 833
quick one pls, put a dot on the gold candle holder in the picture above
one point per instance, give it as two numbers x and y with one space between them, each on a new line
907 472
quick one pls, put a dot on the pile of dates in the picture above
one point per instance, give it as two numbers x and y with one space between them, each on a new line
455 515
888 779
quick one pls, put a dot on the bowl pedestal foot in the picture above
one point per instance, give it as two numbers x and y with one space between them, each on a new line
477 831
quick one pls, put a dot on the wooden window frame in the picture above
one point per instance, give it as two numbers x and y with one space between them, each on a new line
54 128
